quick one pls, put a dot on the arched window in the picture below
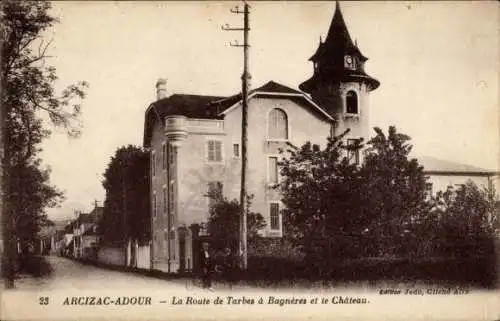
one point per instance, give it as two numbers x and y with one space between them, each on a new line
278 124
351 101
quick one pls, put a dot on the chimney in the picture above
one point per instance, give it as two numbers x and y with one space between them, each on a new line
161 88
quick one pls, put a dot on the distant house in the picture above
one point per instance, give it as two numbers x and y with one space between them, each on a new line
45 242
58 238
66 244
85 233
444 173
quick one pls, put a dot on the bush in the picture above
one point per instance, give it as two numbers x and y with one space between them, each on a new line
224 220
473 271
35 265
274 269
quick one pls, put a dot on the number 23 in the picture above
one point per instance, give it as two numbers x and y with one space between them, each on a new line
44 300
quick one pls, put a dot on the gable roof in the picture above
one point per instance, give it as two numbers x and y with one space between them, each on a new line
444 167
212 107
275 87
276 90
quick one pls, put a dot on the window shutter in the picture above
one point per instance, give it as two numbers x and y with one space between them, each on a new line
211 150
274 215
278 124
218 151
273 170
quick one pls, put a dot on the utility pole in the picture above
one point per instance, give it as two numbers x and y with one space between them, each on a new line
245 85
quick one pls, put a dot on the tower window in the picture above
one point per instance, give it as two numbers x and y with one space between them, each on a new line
278 124
352 103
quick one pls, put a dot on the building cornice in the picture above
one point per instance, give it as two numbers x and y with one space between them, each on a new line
461 173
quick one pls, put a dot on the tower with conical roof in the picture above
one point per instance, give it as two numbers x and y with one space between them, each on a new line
339 83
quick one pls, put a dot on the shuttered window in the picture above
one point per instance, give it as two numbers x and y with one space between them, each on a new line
274 213
214 151
278 124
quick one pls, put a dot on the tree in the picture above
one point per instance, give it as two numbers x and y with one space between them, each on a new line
394 192
321 190
27 88
33 195
465 221
126 213
336 209
224 224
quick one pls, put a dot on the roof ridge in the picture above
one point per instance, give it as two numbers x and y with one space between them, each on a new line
193 95
452 165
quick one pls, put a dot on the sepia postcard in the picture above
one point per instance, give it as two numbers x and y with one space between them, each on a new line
250 160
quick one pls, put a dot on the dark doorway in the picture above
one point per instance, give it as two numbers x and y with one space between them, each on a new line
133 253
182 250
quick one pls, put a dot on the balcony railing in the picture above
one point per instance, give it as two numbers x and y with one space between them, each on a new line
205 126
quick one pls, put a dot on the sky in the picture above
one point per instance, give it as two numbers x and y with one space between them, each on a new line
438 64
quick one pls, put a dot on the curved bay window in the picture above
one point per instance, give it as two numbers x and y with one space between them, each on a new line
278 124
351 101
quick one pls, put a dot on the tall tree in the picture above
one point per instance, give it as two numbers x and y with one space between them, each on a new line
393 189
127 204
27 88
320 189
336 208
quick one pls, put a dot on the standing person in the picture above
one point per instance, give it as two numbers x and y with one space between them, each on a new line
228 265
206 263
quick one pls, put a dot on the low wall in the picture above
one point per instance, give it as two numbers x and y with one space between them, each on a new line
111 255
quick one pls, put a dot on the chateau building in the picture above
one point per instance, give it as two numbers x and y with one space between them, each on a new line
195 142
